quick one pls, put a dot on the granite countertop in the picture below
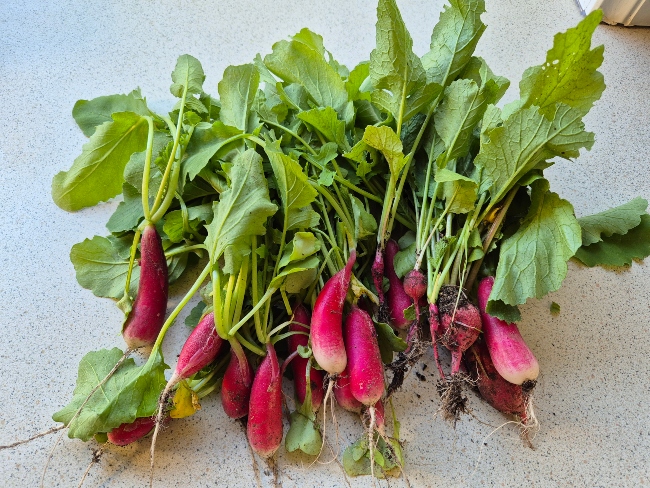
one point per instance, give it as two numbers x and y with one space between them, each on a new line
592 398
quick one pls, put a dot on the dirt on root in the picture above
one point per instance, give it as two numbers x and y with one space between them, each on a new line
452 400
451 298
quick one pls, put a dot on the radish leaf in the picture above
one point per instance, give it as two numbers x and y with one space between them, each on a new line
325 121
90 114
188 73
208 141
237 90
617 220
303 435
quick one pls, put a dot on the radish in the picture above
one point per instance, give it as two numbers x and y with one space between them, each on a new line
236 384
130 432
511 356
327 319
380 418
506 397
343 393
299 364
377 272
434 327
264 427
460 323
148 313
364 359
398 299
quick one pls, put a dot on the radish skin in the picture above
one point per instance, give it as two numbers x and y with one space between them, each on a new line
364 359
512 358
148 313
236 385
264 427
299 364
398 300
327 321
343 393
128 433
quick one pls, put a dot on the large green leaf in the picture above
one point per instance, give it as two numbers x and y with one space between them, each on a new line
131 392
297 62
303 435
453 40
237 91
208 141
176 228
385 139
90 114
241 211
533 261
569 74
525 141
459 191
188 73
397 76
325 121
295 191
97 174
617 220
102 263
618 249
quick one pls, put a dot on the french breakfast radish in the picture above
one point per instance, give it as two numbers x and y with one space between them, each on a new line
264 426
236 384
299 364
398 300
128 433
327 321
511 356
147 315
343 393
364 359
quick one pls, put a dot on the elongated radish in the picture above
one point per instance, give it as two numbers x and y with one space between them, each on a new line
264 426
398 300
434 327
460 323
343 393
327 321
148 313
236 385
364 359
511 356
299 364
506 397
377 272
127 433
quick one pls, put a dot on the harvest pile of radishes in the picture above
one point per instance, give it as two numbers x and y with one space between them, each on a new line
340 222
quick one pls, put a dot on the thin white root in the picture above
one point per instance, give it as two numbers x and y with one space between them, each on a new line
250 450
159 420
371 441
96 457
41 434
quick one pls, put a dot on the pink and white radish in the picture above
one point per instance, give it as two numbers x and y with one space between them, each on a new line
236 384
343 393
147 315
264 428
299 323
398 300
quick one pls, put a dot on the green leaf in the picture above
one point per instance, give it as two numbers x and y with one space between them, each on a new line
192 320
90 114
533 261
295 191
311 39
525 141
303 435
241 211
297 62
617 249
555 308
175 227
508 313
569 75
356 459
325 121
208 141
297 275
388 341
399 81
478 70
131 392
405 260
128 213
303 244
97 174
388 142
356 78
237 91
364 223
187 73
461 189
453 40
101 264
617 220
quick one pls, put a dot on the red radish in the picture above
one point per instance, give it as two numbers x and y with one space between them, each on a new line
415 284
377 272
501 394
236 384
511 356
327 321
364 359
460 323
200 349
148 313
130 432
398 300
264 427
343 393
434 326
299 364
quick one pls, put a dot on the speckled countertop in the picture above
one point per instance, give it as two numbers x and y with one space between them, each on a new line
592 400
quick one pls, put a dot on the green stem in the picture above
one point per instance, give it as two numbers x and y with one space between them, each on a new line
332 201
292 133
258 322
258 305
147 171
217 305
172 317
184 249
249 345
134 248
